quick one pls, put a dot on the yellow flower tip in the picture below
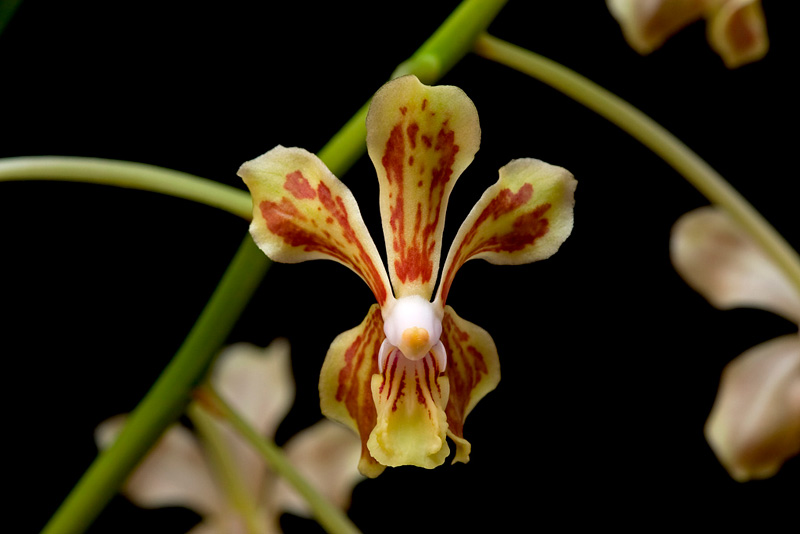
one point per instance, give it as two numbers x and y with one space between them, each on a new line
415 342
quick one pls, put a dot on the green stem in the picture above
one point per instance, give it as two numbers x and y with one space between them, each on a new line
170 394
131 175
168 397
331 518
652 135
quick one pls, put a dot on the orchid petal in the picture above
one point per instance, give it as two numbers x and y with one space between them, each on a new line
473 371
345 382
411 428
754 425
174 473
737 31
326 455
420 139
647 24
258 383
723 263
301 211
524 217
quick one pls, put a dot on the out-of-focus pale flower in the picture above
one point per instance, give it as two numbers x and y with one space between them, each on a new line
754 425
216 473
736 29
409 375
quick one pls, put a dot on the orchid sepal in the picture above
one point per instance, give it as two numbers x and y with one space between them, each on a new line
420 138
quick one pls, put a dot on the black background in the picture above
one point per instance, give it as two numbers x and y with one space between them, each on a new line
610 362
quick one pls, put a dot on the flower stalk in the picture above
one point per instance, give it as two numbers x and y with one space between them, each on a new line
655 137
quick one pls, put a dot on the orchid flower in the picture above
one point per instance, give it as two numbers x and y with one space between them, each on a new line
754 425
215 472
409 374
735 29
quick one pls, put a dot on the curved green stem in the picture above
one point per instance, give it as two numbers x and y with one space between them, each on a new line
170 394
131 175
332 519
168 397
652 135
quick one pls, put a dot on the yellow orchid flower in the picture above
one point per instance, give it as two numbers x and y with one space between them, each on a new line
754 425
735 29
409 374
217 473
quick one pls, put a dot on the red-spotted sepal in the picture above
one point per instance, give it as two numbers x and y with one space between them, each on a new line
420 139
473 370
301 211
345 388
524 217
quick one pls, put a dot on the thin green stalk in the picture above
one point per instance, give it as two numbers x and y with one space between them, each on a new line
332 519
224 466
131 175
170 394
652 135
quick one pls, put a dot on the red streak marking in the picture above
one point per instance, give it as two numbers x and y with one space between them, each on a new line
298 186
525 230
424 104
411 131
403 110
427 141
465 369
281 220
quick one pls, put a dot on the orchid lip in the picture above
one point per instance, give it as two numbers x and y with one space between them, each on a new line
437 351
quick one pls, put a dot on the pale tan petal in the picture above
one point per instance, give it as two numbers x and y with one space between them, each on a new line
737 31
327 455
754 426
259 385
174 473
720 261
646 24
257 382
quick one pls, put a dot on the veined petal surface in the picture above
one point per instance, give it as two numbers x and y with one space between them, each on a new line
722 262
301 211
345 388
410 398
473 370
420 139
524 217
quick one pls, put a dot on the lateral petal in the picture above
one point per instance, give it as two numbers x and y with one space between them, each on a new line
301 211
723 263
410 398
345 389
473 370
524 217
420 139
754 425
